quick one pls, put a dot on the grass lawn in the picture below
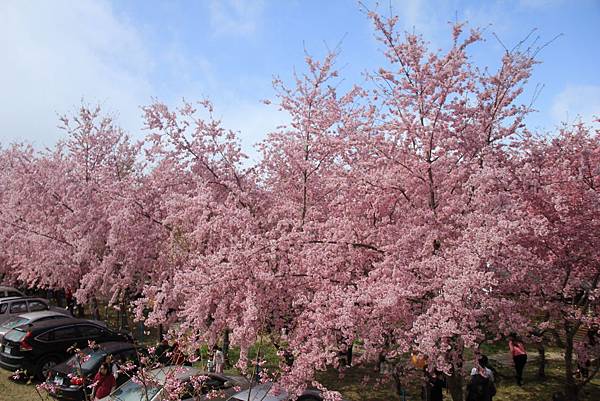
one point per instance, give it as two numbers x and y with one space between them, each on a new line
535 390
11 391
354 387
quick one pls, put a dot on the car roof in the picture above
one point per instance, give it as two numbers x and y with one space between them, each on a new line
5 299
224 377
51 323
114 346
24 298
179 372
40 314
7 288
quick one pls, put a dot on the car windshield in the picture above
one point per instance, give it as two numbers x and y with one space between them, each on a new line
14 322
131 391
15 335
87 360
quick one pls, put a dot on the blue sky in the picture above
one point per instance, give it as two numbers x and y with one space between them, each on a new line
122 54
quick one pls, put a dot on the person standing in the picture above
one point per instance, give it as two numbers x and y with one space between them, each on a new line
437 383
219 360
112 366
484 363
519 354
70 301
104 382
210 362
481 387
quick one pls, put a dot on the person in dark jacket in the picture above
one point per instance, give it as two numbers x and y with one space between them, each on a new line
481 387
437 382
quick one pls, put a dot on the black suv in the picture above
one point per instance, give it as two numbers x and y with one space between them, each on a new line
70 378
37 347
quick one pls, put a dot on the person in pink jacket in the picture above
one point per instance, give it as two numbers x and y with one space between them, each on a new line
517 350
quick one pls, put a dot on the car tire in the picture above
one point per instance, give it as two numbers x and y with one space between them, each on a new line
44 366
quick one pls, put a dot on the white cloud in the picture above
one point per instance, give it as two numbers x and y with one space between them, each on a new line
235 17
577 102
57 53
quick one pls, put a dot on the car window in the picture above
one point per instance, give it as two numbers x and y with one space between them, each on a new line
47 336
127 355
88 331
17 321
214 384
65 333
15 335
88 361
189 391
3 308
132 391
18 307
36 306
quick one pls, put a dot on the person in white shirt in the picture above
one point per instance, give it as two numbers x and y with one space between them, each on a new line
218 360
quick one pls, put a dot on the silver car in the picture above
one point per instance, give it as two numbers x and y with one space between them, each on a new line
14 306
26 318
6 292
132 390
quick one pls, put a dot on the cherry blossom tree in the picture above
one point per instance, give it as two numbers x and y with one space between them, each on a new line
205 204
428 183
56 219
559 179
381 215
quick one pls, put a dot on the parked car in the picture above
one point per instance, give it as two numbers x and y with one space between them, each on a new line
14 306
72 377
10 292
26 318
39 346
132 390
262 392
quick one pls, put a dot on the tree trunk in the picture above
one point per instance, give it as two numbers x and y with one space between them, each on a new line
226 347
571 388
124 321
349 354
398 376
426 389
60 296
141 330
541 362
161 332
455 385
95 309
